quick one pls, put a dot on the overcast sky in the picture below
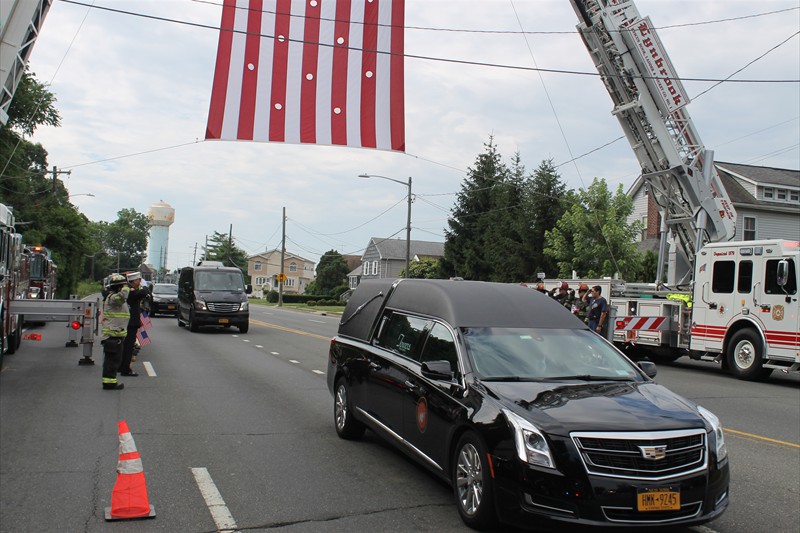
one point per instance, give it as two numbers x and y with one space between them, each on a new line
134 92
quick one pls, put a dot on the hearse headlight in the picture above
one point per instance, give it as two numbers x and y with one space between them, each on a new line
532 447
200 305
245 306
716 429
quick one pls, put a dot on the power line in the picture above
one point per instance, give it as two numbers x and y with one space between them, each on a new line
415 56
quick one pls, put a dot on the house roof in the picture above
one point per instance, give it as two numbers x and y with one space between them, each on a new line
731 173
780 177
396 248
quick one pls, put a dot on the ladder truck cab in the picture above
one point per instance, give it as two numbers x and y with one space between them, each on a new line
731 302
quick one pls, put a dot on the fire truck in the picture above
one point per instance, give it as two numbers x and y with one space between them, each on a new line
734 303
43 274
13 266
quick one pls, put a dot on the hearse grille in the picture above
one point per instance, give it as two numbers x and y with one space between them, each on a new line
223 307
645 455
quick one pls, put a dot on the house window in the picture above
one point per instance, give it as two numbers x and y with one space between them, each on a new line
794 196
749 233
769 193
289 282
375 268
644 228
365 268
292 267
257 265
781 193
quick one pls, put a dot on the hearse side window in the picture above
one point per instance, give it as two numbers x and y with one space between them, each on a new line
722 277
745 284
440 346
771 278
401 334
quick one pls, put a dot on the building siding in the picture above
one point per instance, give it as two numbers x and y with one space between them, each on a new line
769 224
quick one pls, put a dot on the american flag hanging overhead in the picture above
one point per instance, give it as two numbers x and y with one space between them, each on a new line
310 71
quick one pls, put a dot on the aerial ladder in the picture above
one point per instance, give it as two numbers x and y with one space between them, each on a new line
20 22
650 104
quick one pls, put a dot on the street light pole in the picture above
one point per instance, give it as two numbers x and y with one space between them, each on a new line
408 218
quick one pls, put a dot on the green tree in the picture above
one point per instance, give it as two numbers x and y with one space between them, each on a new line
40 202
425 268
547 202
465 253
331 273
221 248
593 236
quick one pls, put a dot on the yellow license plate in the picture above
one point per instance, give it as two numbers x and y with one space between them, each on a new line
223 321
170 307
666 499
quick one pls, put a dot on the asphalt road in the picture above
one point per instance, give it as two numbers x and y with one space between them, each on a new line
251 417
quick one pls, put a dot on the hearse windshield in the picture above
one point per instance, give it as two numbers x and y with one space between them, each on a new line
219 281
529 354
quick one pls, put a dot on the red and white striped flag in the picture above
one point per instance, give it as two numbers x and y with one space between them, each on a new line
310 71
142 337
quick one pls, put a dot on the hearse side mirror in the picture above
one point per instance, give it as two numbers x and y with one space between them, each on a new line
248 289
649 368
439 370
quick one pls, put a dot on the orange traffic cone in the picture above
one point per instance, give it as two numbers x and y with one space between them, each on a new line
129 497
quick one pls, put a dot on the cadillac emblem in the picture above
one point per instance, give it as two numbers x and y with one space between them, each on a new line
653 453
777 312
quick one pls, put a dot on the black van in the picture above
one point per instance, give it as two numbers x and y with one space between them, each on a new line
211 294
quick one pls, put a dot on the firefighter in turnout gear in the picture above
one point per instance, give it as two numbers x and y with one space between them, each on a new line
115 326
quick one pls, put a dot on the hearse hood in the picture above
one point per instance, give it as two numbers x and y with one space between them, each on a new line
597 406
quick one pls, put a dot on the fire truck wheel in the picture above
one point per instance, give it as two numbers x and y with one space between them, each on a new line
744 357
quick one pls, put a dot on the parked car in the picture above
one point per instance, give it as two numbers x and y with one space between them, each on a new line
527 413
164 299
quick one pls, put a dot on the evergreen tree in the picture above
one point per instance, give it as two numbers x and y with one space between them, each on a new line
593 237
465 252
546 204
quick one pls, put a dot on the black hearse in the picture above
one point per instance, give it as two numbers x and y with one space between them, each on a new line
211 294
525 411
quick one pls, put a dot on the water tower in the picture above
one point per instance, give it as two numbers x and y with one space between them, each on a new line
161 216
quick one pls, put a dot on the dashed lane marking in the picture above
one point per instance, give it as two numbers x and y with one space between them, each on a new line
149 369
294 362
259 346
216 505
318 372
246 340
274 353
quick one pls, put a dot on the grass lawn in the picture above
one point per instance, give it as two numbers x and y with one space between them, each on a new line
327 309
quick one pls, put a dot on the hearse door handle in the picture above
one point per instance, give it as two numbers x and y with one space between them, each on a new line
410 385
374 366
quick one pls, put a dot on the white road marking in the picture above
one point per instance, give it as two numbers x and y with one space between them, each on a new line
216 505
259 346
318 321
235 336
246 340
318 372
149 369
274 353
294 362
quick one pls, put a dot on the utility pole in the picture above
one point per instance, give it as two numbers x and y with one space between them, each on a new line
230 247
282 276
194 257
56 173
